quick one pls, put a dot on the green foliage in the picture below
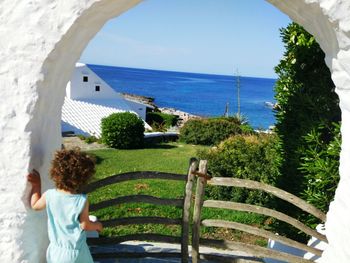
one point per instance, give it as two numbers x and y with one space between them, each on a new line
123 131
305 97
320 165
211 131
246 129
251 157
306 105
161 121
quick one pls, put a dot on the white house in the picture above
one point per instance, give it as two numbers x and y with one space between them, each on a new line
89 99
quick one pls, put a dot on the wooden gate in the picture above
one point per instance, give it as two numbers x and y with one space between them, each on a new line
183 203
256 251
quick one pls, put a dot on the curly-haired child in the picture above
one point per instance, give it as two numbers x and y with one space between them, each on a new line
67 208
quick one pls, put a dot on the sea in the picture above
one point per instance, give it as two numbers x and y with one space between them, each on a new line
205 95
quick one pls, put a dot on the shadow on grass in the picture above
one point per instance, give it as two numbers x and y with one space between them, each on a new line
158 146
98 159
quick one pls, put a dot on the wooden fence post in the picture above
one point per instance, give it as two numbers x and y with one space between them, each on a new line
186 210
201 183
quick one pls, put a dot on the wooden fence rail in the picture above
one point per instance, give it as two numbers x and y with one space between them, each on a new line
184 204
118 178
249 184
203 179
256 251
148 199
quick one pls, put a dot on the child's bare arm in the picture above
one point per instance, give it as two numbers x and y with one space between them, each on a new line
37 201
85 222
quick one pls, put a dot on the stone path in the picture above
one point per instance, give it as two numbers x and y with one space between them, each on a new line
137 246
73 141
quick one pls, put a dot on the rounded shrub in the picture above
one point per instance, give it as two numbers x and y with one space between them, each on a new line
252 157
123 130
210 131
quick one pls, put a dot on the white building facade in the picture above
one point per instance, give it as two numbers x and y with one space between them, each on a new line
89 99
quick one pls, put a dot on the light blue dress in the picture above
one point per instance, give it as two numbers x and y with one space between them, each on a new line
67 239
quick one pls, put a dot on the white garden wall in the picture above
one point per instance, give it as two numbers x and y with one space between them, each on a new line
39 45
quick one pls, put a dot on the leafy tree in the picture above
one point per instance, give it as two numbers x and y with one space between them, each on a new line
307 112
305 97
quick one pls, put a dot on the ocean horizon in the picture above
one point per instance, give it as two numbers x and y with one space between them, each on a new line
197 93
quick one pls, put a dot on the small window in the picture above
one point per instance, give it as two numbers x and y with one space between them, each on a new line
85 78
97 88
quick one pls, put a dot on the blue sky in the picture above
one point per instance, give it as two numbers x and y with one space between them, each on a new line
206 36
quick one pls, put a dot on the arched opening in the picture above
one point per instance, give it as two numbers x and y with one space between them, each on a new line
31 129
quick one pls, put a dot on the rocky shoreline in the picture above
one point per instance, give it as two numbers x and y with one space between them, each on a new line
183 116
139 98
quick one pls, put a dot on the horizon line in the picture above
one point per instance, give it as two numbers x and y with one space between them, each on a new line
176 71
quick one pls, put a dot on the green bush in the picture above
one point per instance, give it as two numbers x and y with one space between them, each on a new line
253 157
210 131
306 101
123 131
159 119
320 165
305 97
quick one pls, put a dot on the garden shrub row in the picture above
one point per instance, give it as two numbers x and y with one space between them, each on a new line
212 131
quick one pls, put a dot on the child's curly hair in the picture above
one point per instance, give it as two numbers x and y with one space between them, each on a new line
71 169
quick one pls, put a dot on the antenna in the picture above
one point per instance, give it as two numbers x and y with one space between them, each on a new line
238 87
226 113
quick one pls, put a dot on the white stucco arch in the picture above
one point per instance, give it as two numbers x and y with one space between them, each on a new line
39 45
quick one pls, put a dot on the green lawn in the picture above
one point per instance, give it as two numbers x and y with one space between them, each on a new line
169 157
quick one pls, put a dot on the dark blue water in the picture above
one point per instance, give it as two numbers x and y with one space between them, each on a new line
200 94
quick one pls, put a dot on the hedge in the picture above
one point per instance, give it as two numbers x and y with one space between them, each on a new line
211 131
123 130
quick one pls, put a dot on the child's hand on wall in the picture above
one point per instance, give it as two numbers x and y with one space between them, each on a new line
34 178
37 201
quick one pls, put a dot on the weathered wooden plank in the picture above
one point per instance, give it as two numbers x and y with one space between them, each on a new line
265 211
136 199
118 178
186 210
225 181
200 189
229 259
141 220
260 232
253 250
137 237
137 255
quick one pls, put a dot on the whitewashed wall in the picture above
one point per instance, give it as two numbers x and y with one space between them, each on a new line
77 89
139 108
39 45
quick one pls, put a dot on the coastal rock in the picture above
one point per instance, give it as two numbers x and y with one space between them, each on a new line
139 98
183 116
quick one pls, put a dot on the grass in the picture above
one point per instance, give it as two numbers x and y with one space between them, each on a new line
168 157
